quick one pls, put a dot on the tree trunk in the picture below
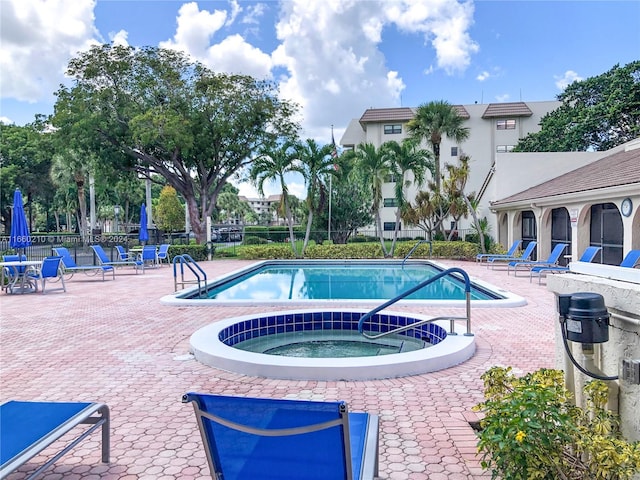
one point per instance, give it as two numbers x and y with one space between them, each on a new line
307 232
476 223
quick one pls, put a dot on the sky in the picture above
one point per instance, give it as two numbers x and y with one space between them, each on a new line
335 58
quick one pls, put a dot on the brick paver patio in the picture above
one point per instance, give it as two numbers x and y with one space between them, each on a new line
114 342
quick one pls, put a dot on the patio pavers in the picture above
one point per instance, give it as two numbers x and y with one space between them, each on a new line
114 342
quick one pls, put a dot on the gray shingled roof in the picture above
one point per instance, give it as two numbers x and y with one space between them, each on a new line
622 168
400 114
462 112
386 114
512 109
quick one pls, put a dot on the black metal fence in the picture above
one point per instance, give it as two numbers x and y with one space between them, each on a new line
42 244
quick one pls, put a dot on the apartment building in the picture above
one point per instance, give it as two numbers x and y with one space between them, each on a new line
494 128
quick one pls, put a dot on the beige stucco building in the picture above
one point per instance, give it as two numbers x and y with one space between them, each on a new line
494 129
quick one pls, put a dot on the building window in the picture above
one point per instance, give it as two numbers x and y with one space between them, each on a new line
504 148
391 178
454 151
390 226
392 129
505 125
390 202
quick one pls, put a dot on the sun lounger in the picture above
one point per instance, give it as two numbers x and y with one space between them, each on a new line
510 253
69 266
587 256
551 261
104 260
250 438
27 428
526 255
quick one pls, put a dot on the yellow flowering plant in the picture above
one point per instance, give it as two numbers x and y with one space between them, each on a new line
531 430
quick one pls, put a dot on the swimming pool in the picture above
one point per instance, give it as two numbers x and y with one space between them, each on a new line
361 282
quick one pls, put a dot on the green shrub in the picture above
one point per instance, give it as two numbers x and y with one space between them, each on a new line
532 430
438 249
270 251
197 252
254 240
350 250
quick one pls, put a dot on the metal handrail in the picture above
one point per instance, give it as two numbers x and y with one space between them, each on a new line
467 290
416 246
185 259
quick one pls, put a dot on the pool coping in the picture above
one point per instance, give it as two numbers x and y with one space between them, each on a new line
509 300
207 348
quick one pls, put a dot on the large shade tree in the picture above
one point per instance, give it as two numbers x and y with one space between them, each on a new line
155 111
598 113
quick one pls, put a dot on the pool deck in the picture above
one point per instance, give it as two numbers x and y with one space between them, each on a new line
114 342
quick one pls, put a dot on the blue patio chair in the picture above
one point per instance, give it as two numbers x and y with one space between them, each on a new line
251 438
148 257
526 255
10 275
27 428
122 253
631 259
551 261
103 259
510 253
49 270
163 253
587 256
69 266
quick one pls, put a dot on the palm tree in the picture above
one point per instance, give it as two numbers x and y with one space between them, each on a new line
431 122
458 177
403 158
434 120
271 165
72 166
317 163
374 168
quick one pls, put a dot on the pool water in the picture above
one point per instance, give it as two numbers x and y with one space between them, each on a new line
302 281
330 344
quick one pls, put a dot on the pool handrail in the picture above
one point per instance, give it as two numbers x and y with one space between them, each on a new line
406 293
186 259
413 249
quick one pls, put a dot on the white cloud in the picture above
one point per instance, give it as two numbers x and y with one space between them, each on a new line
197 28
567 79
119 38
6 120
503 98
38 38
483 76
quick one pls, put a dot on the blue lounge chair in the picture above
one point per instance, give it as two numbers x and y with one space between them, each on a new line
510 253
526 255
551 261
50 269
69 266
104 260
631 259
587 256
250 438
27 428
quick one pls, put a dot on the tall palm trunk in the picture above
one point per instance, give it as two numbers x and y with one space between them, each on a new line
476 222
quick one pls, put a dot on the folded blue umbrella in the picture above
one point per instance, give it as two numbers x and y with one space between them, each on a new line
143 235
19 236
